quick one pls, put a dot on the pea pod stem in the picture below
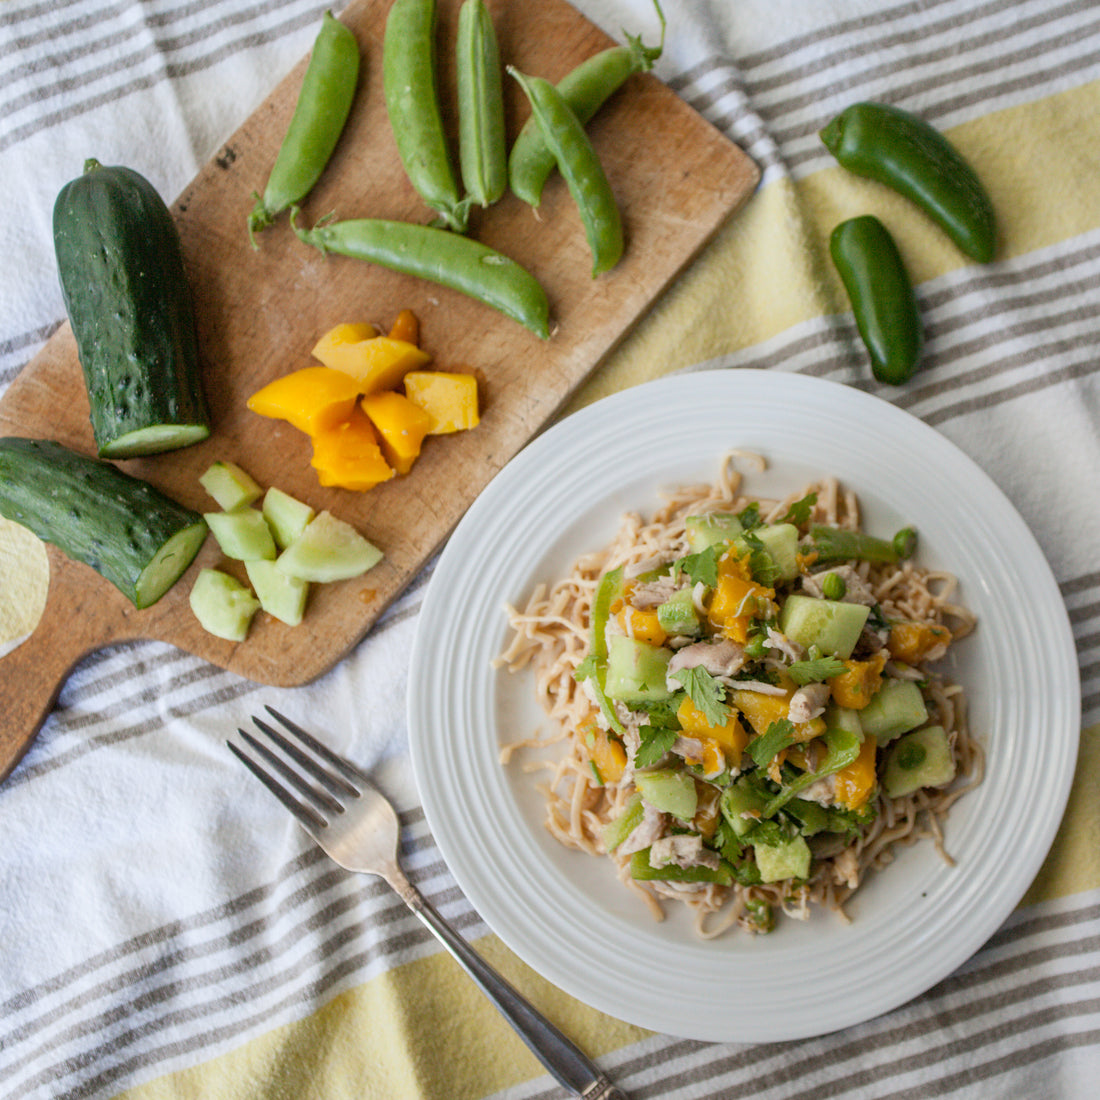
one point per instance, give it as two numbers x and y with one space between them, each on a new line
412 104
580 167
440 256
585 89
481 146
907 154
324 101
878 286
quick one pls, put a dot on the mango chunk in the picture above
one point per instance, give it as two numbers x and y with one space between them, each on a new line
348 456
351 332
400 424
449 399
376 364
312 399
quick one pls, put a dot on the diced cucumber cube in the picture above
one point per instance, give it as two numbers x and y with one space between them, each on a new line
831 625
244 535
329 549
636 671
223 606
919 759
788 859
781 541
669 790
677 615
286 516
709 528
843 718
230 486
895 708
741 805
280 595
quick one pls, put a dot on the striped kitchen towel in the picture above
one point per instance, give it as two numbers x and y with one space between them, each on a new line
168 931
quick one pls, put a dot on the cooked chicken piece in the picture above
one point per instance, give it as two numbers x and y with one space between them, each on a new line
646 833
685 850
721 658
808 702
856 590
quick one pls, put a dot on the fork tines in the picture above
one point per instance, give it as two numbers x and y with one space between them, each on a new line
335 777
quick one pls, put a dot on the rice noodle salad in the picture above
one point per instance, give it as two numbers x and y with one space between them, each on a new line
745 703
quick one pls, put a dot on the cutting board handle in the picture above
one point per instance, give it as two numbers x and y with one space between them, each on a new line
31 675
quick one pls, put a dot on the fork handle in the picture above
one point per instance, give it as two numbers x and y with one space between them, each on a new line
566 1063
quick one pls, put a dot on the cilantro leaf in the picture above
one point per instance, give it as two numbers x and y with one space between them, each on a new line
585 670
750 516
655 742
813 672
799 512
778 736
763 567
706 693
700 567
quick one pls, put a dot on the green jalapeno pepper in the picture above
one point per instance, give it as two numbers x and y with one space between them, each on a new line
440 256
881 294
580 167
586 88
907 154
482 153
324 101
412 104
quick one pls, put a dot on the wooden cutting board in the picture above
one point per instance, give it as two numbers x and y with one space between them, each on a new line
677 179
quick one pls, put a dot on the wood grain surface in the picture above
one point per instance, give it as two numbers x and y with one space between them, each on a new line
677 179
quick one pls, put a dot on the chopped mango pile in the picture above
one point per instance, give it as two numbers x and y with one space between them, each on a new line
369 406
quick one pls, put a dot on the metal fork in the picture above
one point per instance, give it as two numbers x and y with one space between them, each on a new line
357 827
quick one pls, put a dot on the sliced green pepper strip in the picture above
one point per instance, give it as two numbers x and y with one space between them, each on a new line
617 830
883 302
442 257
324 101
904 152
644 871
607 591
585 88
842 748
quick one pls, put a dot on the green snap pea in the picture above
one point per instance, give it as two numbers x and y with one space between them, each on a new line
904 152
585 88
439 256
482 152
324 101
881 294
580 167
412 104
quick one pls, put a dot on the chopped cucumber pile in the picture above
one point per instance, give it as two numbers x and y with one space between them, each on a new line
285 547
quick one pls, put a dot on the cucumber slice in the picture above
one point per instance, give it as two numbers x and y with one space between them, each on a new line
223 606
710 528
230 486
788 859
286 516
831 625
781 541
280 595
894 709
636 671
242 535
919 759
328 550
670 791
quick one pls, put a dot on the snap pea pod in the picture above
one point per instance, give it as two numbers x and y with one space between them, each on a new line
904 152
881 294
482 153
412 104
580 168
439 256
324 101
585 88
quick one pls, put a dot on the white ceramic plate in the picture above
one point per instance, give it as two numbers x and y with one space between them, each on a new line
563 912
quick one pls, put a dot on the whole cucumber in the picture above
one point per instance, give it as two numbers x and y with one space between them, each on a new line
124 528
129 303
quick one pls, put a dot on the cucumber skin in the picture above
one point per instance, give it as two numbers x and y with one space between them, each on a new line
129 303
89 509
